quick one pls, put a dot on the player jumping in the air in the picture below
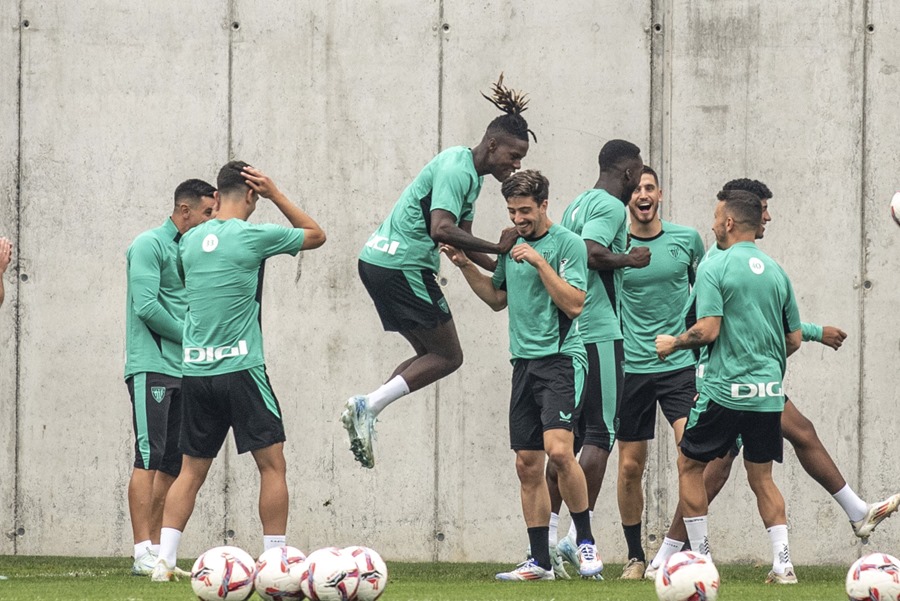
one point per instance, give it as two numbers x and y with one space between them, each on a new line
653 301
746 305
225 385
154 323
399 263
598 216
797 430
542 281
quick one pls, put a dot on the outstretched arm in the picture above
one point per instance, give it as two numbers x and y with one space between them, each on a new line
313 236
480 283
445 231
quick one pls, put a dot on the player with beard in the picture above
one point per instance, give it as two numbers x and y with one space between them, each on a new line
796 428
653 301
599 217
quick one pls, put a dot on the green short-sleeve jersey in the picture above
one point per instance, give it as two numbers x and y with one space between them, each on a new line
654 297
537 328
155 303
403 241
755 299
222 265
601 217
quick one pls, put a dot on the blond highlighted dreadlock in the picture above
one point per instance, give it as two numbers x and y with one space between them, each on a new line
513 103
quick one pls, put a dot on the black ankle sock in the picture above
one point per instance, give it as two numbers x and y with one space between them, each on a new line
540 545
633 539
582 522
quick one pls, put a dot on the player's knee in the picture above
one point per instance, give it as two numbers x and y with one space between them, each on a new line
630 468
528 469
561 457
801 433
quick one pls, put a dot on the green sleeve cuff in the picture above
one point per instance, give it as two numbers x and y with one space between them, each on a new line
811 332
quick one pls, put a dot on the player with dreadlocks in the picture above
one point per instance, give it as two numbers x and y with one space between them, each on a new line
398 264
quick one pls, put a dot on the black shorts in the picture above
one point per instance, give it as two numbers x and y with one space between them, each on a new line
405 299
546 395
674 390
712 429
599 421
738 444
156 417
242 400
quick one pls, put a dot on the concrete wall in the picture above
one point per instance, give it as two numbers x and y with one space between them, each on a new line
105 106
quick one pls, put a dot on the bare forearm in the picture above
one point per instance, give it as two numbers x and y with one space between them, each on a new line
482 260
294 214
483 287
692 339
455 236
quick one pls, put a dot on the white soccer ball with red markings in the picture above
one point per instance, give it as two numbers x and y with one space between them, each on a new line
278 573
223 573
329 575
895 208
874 577
373 572
687 576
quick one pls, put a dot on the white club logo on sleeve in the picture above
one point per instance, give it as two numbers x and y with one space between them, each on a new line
210 243
757 266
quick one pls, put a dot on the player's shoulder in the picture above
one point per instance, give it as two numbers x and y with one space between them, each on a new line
566 237
455 157
147 240
677 230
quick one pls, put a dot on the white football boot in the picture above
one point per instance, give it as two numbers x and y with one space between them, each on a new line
143 565
878 512
527 570
360 424
590 565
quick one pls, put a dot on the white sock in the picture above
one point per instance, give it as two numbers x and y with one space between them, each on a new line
780 552
554 529
169 539
270 541
141 547
853 506
698 533
669 547
387 393
154 549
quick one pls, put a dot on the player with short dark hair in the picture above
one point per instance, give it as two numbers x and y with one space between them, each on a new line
542 281
225 384
796 428
746 305
399 263
598 216
653 301
154 321
5 258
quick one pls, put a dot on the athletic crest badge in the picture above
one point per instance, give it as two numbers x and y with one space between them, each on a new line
675 251
158 392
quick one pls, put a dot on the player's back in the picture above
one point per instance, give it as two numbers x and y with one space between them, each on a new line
222 266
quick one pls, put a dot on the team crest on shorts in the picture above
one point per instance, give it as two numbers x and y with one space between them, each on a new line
158 392
442 304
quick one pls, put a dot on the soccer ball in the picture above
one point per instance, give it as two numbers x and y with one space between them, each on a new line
278 574
687 576
895 208
874 577
329 575
373 573
223 573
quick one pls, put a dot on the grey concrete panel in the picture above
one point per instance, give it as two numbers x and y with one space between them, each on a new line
120 103
878 426
770 92
9 143
342 111
587 75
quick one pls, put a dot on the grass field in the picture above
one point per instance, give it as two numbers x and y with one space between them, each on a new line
52 578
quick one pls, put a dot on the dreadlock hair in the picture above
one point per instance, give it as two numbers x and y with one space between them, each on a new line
191 191
744 207
616 151
754 186
513 103
230 178
526 183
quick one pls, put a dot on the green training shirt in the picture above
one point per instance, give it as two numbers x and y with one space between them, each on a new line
222 263
809 331
654 297
537 327
155 303
403 240
755 299
599 216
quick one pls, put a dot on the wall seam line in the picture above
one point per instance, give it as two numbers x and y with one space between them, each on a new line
435 553
17 501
